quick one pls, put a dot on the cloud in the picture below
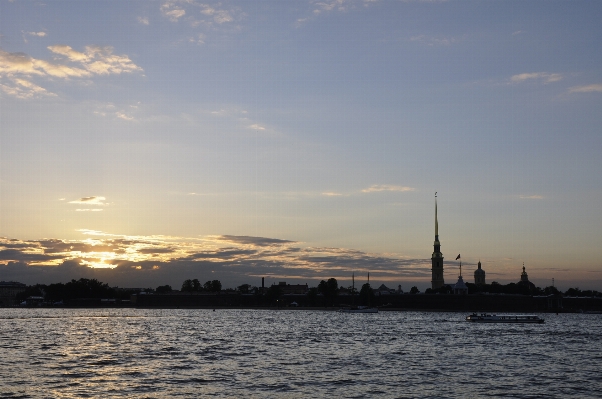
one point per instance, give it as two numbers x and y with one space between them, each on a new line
155 250
35 34
220 112
90 201
157 260
536 197
102 61
329 5
143 20
319 8
89 210
95 60
540 76
248 240
20 68
209 18
174 15
172 11
331 194
227 254
24 89
125 117
71 54
219 16
23 256
198 39
126 113
587 89
17 63
387 187
243 119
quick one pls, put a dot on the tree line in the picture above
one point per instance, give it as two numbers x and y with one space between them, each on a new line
195 286
325 294
75 289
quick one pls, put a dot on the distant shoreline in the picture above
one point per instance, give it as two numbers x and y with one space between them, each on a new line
292 308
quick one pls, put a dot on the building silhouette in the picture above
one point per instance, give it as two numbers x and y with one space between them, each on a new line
460 288
290 289
524 278
437 258
9 291
479 275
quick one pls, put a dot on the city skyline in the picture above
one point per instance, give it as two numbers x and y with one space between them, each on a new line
300 141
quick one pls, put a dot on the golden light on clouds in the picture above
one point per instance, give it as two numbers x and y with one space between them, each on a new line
94 200
244 255
242 259
100 264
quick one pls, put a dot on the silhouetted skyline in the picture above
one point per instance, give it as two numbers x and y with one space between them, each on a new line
299 140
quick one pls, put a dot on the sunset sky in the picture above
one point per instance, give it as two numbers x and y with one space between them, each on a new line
143 143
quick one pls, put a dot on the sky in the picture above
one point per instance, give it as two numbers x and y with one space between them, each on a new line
143 143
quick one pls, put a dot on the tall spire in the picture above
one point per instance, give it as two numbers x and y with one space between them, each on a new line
436 222
437 258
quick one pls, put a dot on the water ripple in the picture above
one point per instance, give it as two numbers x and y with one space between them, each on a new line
75 353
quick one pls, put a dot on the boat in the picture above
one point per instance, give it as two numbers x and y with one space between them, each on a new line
358 309
492 318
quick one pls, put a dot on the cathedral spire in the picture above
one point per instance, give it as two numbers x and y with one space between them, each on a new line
436 222
437 258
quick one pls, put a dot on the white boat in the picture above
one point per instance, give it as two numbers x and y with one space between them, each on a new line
492 318
359 309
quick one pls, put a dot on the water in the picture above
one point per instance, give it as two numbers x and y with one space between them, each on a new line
124 353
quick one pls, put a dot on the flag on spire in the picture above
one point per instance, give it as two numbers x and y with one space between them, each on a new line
458 257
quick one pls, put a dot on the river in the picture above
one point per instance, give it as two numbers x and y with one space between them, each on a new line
141 353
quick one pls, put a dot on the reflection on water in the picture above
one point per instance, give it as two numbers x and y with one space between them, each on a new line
76 353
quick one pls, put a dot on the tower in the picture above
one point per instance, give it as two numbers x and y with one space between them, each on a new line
437 258
523 276
460 288
479 275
